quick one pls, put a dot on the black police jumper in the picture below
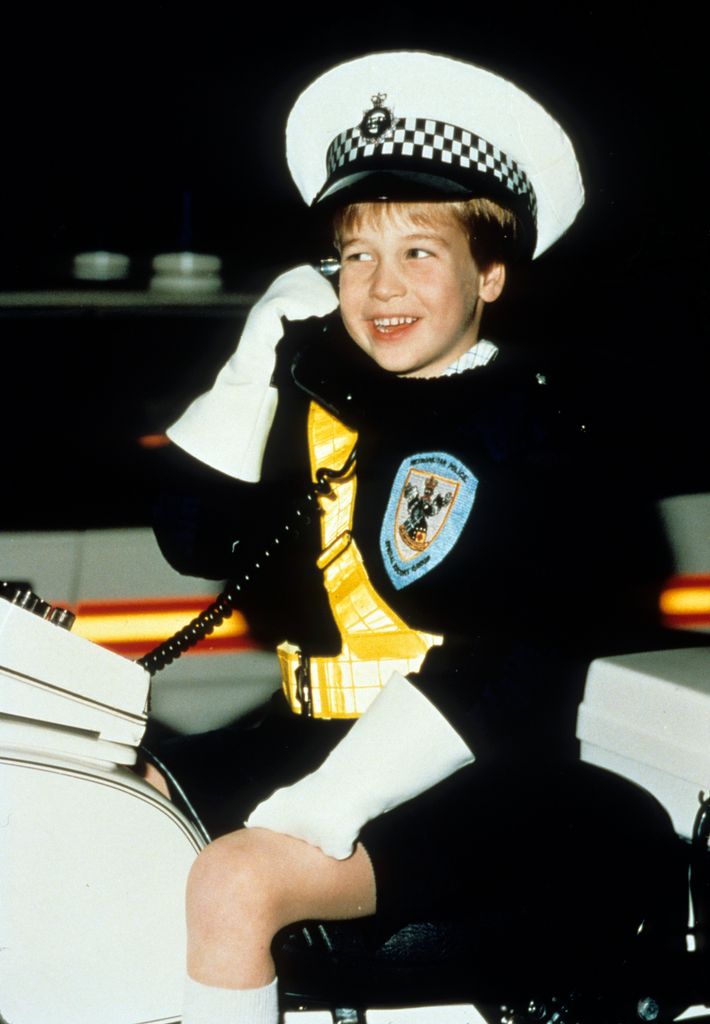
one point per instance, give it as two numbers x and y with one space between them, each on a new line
542 570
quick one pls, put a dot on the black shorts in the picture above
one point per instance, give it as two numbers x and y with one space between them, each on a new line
516 848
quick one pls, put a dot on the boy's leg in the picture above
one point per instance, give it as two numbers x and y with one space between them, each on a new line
242 890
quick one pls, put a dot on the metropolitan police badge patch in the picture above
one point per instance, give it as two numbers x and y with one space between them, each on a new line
431 499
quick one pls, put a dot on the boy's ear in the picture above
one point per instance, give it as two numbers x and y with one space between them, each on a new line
492 282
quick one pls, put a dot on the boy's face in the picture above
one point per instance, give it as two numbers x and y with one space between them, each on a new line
411 295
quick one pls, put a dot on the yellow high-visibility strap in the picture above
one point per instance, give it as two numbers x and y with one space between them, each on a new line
375 640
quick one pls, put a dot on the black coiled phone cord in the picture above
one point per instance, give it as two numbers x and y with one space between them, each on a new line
223 605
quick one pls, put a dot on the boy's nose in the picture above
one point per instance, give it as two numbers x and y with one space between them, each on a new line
387 282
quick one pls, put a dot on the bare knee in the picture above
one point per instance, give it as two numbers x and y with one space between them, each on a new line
247 885
268 879
239 881
233 912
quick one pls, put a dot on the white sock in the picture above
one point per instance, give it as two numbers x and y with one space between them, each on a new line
206 1004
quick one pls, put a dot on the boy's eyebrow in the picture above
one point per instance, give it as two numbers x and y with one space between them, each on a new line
427 235
415 236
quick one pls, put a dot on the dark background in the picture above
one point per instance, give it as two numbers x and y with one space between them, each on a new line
149 130
112 114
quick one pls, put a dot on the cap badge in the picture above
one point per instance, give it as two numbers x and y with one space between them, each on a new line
377 122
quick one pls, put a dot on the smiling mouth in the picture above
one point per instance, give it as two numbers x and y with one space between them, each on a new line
389 324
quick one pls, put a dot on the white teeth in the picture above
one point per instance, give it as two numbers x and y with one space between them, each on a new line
393 321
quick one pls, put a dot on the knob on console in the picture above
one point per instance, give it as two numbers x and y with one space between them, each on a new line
23 596
11 589
62 617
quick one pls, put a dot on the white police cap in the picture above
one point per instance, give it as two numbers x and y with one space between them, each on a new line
410 125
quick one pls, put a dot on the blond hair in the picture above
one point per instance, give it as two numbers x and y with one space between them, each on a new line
492 231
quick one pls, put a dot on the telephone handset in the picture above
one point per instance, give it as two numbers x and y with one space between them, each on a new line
223 605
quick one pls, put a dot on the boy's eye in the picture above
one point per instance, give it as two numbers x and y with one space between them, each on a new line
418 254
355 257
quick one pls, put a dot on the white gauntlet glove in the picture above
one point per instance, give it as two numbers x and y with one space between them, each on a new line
227 427
400 747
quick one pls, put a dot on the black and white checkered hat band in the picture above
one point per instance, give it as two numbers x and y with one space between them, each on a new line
426 139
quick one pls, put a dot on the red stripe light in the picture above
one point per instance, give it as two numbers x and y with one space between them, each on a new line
685 601
132 627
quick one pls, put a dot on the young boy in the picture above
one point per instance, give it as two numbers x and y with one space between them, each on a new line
430 598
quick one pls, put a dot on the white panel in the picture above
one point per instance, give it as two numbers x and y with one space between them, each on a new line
464 1014
647 717
308 1017
32 647
20 738
656 705
92 878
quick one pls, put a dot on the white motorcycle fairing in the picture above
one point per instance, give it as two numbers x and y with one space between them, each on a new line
93 860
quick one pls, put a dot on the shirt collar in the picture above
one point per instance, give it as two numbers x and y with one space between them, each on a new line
480 354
